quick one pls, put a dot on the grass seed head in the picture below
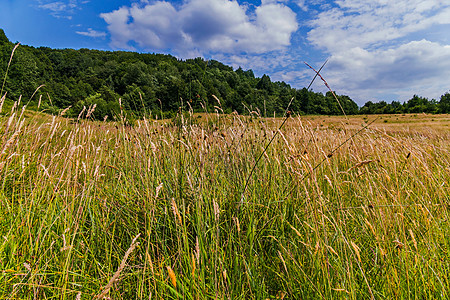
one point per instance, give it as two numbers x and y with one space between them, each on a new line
411 233
176 212
357 250
172 276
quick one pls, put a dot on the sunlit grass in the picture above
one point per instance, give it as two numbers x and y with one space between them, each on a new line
371 220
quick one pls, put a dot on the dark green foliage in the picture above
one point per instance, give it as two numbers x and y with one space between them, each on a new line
3 38
416 104
444 104
265 84
419 104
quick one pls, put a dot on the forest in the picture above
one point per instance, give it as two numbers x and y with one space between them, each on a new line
159 85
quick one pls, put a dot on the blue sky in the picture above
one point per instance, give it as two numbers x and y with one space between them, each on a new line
377 49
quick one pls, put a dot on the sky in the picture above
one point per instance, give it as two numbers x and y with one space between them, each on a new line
376 49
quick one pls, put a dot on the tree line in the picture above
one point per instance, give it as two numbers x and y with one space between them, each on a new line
161 84
416 104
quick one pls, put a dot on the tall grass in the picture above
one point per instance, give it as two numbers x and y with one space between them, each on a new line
99 209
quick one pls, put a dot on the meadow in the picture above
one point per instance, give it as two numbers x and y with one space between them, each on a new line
213 206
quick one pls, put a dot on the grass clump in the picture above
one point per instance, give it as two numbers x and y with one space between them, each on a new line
99 209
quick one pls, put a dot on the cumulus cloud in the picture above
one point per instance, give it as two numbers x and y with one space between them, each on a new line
264 63
418 67
202 26
385 47
366 23
386 67
92 33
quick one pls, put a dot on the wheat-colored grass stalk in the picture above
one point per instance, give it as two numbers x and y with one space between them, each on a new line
172 276
12 139
175 211
122 265
91 110
2 101
357 250
63 112
7 68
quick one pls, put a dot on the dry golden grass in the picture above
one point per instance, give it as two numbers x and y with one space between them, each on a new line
391 123
331 210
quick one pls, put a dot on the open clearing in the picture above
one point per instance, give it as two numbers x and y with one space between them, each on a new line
185 209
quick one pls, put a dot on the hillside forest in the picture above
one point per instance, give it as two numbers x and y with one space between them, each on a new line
159 85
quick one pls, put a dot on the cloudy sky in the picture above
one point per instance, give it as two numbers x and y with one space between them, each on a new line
377 49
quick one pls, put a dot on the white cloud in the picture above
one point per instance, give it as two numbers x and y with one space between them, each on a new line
368 23
264 2
60 9
418 67
54 6
202 26
92 33
383 47
293 76
260 63
313 5
302 4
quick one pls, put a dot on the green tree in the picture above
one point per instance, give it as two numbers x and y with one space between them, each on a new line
3 38
265 84
444 104
368 108
101 107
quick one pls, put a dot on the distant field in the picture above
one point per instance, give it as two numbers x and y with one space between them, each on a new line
225 207
395 122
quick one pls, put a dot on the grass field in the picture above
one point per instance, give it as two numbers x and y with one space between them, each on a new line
336 208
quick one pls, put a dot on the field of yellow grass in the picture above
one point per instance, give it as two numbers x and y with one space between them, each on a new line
202 207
